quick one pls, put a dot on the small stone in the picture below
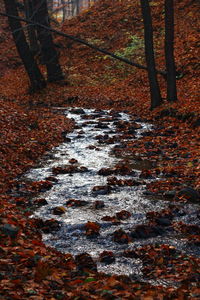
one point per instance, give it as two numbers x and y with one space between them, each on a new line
98 204
76 203
123 215
92 229
105 171
83 169
66 139
146 231
112 219
9 230
68 169
149 193
91 147
169 194
85 262
123 169
51 178
47 226
81 132
40 202
101 190
130 254
107 257
77 111
59 210
121 237
101 125
190 194
73 161
163 221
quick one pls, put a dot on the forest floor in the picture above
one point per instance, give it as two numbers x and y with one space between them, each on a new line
29 128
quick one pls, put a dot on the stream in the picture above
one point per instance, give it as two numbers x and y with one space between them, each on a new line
89 148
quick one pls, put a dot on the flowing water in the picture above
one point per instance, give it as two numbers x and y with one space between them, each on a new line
91 152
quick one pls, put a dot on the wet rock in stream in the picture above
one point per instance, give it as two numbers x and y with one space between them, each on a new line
73 161
69 169
40 202
123 215
76 203
119 169
85 263
190 194
122 182
121 237
92 229
146 231
47 226
101 190
59 210
107 257
112 219
78 111
98 204
163 221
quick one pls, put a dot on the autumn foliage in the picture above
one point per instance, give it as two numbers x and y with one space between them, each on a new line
29 127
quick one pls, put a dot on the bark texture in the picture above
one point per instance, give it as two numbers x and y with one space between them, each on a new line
49 53
36 79
149 54
169 51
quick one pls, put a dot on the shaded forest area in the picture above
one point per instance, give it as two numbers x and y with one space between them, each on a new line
29 128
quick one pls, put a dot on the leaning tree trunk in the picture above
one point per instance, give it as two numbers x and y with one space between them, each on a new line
169 51
36 79
49 53
149 54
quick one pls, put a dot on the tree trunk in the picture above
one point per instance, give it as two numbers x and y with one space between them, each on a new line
78 7
156 99
169 51
36 79
50 6
49 54
63 11
34 47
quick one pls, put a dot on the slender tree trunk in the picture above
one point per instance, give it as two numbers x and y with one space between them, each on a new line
78 7
73 8
50 5
169 51
49 53
156 99
63 10
36 79
34 47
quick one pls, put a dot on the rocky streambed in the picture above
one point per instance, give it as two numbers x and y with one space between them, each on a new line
97 203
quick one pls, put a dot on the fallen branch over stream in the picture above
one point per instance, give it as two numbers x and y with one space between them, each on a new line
81 41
